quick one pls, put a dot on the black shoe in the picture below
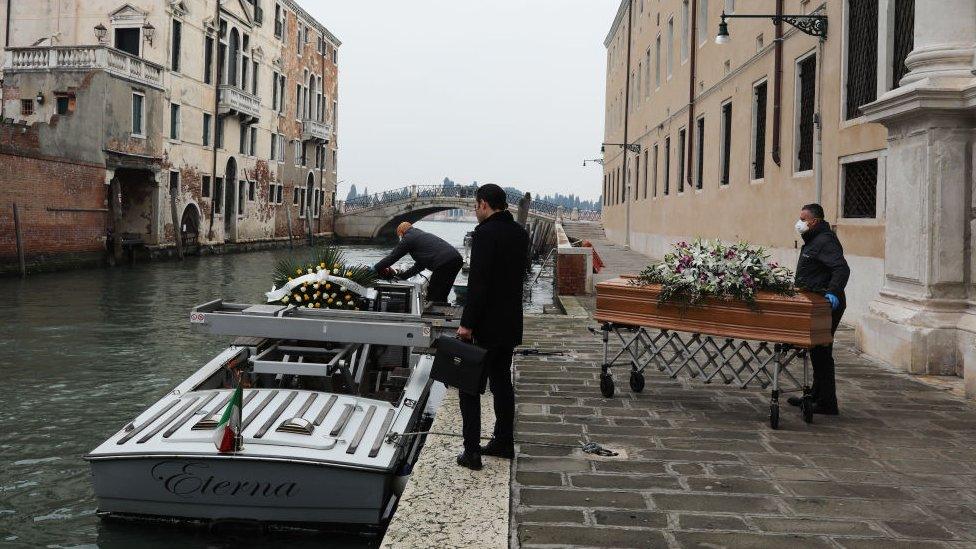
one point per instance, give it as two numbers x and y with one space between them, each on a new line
498 449
824 410
471 460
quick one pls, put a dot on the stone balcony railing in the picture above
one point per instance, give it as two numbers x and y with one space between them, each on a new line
237 101
84 58
313 130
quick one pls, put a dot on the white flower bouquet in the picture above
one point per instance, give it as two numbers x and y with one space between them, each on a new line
691 273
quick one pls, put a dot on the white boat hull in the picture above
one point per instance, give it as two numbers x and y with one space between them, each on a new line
208 488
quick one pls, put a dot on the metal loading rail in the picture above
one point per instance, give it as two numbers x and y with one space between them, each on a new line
708 358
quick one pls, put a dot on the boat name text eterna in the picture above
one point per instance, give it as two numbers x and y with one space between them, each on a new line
185 479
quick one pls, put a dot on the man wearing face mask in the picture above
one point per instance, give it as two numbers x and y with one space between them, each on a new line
428 252
822 268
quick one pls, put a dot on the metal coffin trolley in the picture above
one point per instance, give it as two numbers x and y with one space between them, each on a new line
721 341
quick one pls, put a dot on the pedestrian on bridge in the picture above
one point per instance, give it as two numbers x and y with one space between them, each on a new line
429 252
493 319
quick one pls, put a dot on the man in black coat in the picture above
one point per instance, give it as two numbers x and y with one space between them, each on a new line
428 252
822 268
493 319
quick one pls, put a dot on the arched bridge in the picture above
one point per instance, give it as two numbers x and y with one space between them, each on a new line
377 215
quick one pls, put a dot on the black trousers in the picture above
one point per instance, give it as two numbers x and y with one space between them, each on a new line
498 371
824 390
442 280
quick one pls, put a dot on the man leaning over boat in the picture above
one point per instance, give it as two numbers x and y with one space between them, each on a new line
429 252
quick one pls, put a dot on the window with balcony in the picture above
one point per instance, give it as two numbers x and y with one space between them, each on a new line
138 114
176 46
128 40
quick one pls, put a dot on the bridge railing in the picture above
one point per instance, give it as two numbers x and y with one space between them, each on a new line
360 203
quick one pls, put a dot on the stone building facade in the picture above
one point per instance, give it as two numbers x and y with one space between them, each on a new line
730 147
210 122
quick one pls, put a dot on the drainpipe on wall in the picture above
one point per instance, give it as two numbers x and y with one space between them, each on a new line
689 174
216 121
777 84
6 34
630 26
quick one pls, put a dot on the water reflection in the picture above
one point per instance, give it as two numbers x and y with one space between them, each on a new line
86 351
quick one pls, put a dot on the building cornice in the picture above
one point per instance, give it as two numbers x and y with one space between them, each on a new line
616 22
292 5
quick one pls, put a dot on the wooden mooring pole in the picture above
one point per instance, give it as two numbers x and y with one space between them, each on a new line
288 219
20 243
177 229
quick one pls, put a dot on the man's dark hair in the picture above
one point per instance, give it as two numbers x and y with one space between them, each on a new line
493 195
816 210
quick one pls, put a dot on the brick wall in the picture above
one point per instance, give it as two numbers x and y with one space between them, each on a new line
570 274
43 188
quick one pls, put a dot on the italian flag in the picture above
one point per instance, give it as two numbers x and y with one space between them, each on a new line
229 428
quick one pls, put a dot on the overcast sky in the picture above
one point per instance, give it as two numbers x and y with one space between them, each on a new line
497 91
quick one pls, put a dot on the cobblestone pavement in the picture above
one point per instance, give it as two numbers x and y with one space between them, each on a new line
700 466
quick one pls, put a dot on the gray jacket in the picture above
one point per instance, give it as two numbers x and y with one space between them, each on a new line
427 250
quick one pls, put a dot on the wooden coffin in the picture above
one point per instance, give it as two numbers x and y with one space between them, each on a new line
802 320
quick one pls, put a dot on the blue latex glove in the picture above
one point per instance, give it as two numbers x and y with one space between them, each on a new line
834 301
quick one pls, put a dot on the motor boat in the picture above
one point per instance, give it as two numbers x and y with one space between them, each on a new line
327 396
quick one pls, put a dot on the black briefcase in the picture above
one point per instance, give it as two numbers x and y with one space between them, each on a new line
459 364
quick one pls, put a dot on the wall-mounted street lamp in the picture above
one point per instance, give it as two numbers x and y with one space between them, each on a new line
814 25
39 98
594 161
148 31
101 33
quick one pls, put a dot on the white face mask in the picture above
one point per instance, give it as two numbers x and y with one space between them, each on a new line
801 226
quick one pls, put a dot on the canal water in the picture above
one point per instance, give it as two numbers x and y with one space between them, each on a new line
84 352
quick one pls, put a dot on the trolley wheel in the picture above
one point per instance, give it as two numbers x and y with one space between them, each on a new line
636 381
806 408
774 415
606 385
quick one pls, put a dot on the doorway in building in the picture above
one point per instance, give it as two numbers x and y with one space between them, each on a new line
190 228
230 200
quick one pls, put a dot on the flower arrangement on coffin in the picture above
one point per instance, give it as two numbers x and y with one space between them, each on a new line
703 269
324 281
